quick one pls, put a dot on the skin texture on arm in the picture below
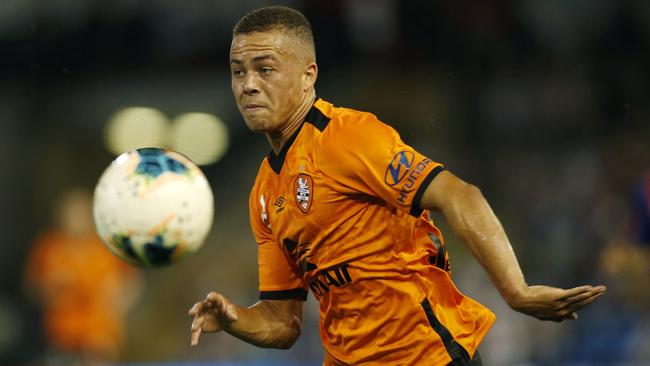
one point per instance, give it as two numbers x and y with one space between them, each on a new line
267 324
472 219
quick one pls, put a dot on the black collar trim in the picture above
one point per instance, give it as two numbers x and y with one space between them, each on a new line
277 161
314 117
317 118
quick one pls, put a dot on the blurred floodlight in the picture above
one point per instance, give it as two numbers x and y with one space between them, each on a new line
135 127
202 137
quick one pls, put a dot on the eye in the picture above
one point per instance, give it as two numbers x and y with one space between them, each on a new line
237 72
265 70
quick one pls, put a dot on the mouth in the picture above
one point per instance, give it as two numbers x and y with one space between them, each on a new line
253 107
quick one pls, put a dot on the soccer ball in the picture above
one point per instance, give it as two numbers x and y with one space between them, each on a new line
153 207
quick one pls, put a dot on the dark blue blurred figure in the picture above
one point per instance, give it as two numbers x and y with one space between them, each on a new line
618 332
640 225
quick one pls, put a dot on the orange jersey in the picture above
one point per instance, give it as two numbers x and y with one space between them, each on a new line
82 283
337 212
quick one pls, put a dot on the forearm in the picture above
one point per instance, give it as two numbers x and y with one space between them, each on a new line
266 325
472 219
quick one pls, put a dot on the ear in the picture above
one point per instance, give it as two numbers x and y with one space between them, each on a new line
309 78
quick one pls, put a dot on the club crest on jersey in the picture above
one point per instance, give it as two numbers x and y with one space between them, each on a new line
304 190
398 167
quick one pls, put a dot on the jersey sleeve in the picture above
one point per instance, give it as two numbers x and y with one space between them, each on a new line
278 277
367 156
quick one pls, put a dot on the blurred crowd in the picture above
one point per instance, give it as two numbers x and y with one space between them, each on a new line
542 104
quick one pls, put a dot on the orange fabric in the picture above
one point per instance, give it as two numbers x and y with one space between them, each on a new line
81 284
337 219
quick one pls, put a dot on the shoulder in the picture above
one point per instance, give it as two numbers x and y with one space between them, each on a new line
262 175
350 124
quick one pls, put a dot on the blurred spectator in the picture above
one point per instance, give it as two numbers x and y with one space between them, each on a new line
85 290
640 225
620 331
626 260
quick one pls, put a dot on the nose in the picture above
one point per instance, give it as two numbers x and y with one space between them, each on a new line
250 84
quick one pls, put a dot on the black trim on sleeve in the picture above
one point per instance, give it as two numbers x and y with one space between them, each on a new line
296 293
416 210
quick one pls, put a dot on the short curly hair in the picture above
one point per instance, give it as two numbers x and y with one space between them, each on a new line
269 18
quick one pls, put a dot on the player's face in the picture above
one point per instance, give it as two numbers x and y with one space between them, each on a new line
268 78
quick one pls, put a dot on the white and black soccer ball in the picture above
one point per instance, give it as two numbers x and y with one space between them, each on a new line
152 207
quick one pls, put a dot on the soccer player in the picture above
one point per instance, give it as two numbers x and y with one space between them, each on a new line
340 208
81 286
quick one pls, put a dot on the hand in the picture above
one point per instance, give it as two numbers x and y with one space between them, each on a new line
213 314
550 303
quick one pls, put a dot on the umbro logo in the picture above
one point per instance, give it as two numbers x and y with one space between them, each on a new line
279 203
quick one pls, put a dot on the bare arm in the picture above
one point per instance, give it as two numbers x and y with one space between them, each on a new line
472 219
268 323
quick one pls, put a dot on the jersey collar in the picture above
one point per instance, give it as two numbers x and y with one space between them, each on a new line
315 117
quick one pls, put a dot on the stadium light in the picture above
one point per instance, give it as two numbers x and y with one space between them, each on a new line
133 127
202 137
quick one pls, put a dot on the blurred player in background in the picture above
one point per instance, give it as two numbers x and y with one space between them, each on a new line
625 265
340 207
626 259
85 290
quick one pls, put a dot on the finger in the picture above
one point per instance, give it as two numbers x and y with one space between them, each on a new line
216 297
583 296
562 315
200 307
197 327
195 337
197 324
225 307
218 301
195 309
566 294
584 303
586 300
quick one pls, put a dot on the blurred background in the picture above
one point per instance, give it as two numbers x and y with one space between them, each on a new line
542 104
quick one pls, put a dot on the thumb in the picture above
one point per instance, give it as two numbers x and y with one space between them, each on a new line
218 299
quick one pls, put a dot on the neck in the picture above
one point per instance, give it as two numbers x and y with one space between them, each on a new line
278 138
